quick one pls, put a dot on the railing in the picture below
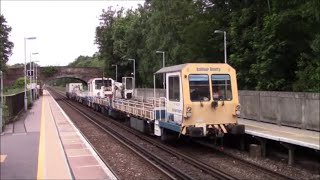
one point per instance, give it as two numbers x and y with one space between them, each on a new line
140 108
14 104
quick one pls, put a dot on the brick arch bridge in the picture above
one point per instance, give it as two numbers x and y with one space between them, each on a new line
81 73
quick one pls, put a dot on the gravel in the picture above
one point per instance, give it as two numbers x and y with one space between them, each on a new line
128 165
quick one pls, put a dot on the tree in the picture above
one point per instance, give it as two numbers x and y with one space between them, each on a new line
5 45
273 45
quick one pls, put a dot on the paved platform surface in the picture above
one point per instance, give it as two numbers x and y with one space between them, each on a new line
306 138
44 144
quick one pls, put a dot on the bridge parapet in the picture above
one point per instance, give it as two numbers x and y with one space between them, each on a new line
82 73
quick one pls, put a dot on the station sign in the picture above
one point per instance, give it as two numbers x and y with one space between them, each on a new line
29 73
32 86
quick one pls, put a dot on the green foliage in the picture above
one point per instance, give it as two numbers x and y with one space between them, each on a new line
273 45
17 87
49 71
86 61
17 65
63 81
5 45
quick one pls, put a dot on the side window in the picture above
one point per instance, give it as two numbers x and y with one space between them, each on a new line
221 87
199 87
174 88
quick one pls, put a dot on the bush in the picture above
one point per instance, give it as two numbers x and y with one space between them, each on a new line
49 71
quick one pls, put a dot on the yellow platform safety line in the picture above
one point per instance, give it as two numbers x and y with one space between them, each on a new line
3 157
40 172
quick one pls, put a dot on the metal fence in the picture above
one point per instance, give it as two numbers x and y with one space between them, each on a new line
295 109
13 105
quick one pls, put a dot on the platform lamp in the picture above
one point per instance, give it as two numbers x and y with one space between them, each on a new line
163 65
31 77
225 43
1 98
35 93
25 72
134 72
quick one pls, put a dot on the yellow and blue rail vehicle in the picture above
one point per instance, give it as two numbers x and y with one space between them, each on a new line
201 101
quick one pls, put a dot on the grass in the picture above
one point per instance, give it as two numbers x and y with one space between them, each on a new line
13 91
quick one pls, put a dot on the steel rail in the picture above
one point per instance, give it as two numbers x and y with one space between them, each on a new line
196 163
201 165
244 161
142 152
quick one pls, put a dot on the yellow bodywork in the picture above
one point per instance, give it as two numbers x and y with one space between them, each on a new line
203 114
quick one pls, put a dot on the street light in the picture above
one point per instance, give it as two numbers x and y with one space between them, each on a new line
31 77
1 99
25 72
134 72
163 65
225 43
35 92
116 70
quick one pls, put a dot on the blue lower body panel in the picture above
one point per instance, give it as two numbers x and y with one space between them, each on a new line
170 125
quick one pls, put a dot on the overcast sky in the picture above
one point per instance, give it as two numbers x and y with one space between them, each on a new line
64 29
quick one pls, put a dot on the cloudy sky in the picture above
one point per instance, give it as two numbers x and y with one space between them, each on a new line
64 29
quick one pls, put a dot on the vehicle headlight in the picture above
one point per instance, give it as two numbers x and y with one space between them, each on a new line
238 107
189 113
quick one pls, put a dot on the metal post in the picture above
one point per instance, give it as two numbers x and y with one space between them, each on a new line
134 72
116 72
31 98
25 73
25 77
225 43
36 81
225 46
33 80
163 65
164 75
1 94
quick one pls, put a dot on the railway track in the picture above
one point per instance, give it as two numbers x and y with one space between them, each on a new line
165 167
248 163
176 173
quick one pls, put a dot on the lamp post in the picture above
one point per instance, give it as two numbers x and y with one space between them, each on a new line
25 72
134 72
163 65
37 79
34 77
31 77
116 70
1 98
225 43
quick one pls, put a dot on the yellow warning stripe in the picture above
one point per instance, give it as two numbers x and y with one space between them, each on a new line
40 173
223 129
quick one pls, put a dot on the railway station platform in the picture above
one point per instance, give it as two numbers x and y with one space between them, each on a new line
44 144
289 137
